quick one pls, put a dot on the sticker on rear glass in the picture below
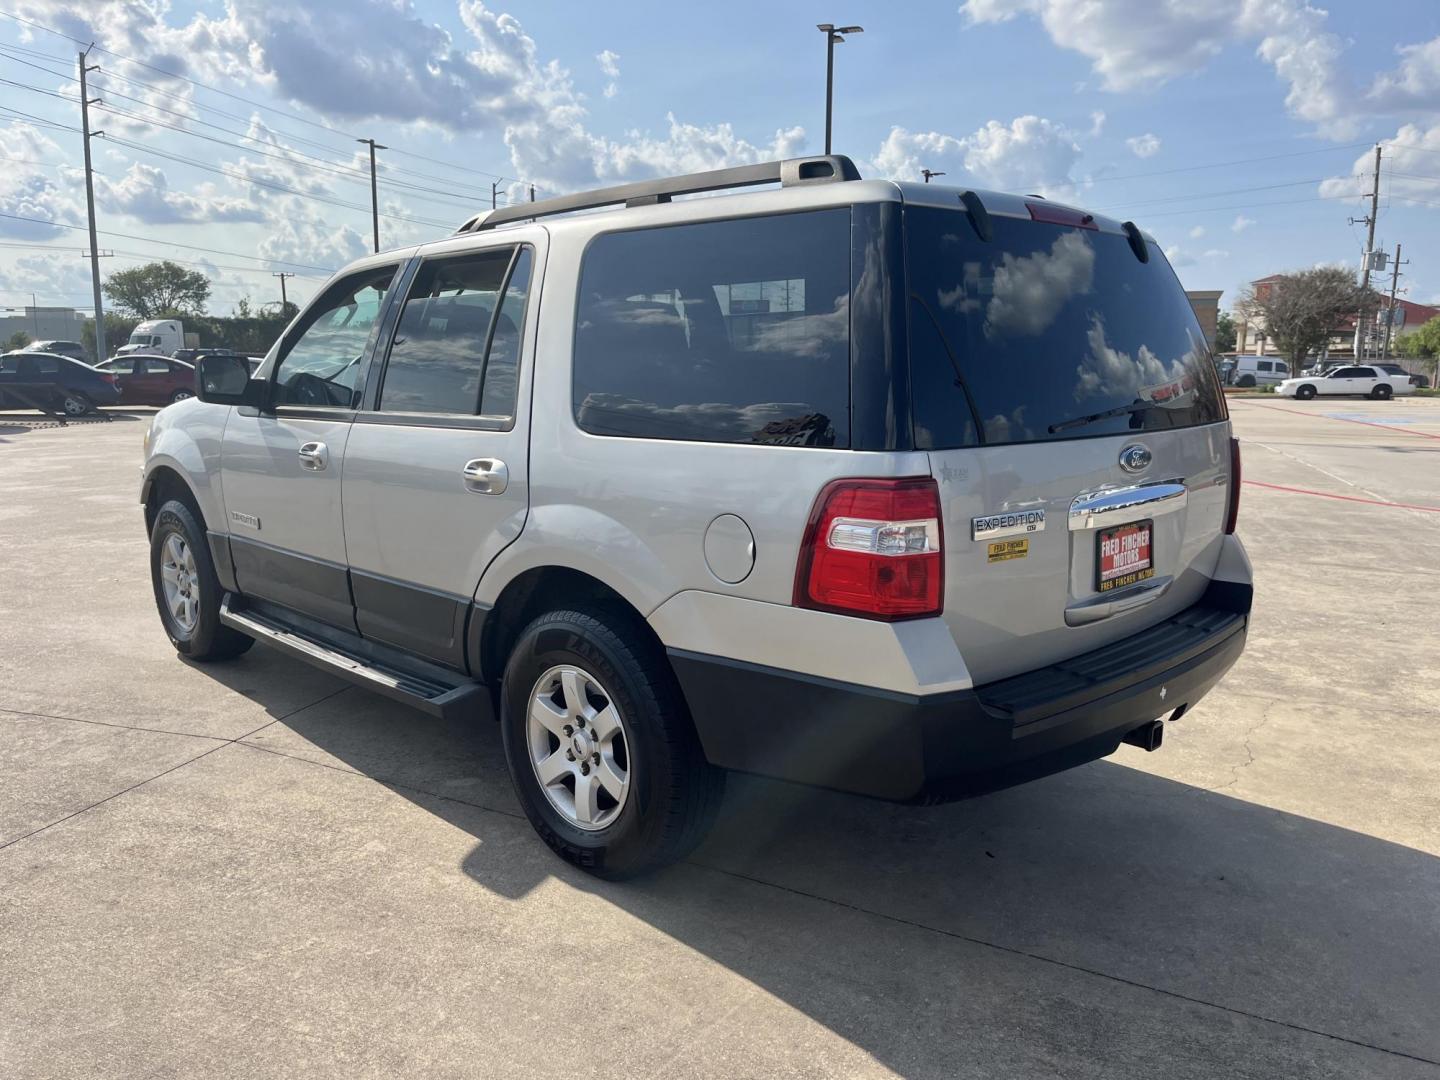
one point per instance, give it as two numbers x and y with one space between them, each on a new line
1006 550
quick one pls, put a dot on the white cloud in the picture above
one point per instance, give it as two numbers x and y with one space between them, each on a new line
145 194
1408 162
1097 123
609 62
1144 146
1241 223
29 190
1139 44
1215 253
1197 232
1030 154
1178 256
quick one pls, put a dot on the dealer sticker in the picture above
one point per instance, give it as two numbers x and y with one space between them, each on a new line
1006 550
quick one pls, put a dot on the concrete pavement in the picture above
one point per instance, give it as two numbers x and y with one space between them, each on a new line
251 870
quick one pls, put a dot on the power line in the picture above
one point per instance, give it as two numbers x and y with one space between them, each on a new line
152 257
238 97
1227 164
1213 194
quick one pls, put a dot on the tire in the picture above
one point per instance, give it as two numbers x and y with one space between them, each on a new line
1382 392
670 793
178 547
181 395
1305 393
1246 380
76 404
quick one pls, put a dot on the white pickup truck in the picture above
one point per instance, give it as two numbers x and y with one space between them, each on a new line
1355 380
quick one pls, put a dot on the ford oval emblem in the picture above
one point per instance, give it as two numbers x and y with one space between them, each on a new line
1135 458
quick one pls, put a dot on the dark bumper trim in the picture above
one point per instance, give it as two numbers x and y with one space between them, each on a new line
908 747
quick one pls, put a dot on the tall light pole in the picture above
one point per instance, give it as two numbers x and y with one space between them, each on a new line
374 198
833 37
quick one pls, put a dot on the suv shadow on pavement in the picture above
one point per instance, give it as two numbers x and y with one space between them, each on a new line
1102 915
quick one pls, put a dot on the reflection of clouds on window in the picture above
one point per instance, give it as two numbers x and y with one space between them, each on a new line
1112 373
1012 428
1029 290
965 297
806 336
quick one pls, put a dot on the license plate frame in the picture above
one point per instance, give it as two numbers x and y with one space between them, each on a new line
1124 568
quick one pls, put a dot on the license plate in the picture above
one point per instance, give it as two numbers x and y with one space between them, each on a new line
1123 555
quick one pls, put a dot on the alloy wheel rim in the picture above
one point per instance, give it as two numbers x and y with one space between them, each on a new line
578 747
180 581
75 407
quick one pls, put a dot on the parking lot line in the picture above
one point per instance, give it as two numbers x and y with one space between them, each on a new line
1347 420
1343 498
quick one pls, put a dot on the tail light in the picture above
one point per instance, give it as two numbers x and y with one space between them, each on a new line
107 376
873 548
1234 510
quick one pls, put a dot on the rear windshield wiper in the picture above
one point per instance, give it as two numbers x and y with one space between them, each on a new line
1119 410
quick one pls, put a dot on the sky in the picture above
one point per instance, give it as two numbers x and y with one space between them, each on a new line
1240 133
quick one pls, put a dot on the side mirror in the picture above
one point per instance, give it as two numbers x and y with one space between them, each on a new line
225 380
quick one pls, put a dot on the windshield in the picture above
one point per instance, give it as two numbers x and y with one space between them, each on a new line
1047 332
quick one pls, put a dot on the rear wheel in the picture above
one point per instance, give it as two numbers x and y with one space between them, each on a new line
187 590
1305 393
1246 380
1381 392
76 404
181 395
600 745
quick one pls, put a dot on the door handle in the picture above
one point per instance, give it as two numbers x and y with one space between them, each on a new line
314 456
486 476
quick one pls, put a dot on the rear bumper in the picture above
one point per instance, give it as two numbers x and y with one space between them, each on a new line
908 747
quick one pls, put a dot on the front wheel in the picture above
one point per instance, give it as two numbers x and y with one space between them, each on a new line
1305 393
600 746
187 590
1381 392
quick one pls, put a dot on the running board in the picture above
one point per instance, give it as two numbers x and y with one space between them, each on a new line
449 699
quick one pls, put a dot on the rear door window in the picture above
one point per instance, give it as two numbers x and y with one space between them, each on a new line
721 331
1046 332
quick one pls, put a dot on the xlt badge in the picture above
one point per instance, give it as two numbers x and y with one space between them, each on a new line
994 526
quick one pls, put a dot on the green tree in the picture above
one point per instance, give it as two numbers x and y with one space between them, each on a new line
1423 344
18 340
1224 332
1301 309
158 290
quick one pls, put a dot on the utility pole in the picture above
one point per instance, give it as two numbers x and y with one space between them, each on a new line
101 348
374 198
1369 220
1390 316
833 37
284 300
494 194
928 173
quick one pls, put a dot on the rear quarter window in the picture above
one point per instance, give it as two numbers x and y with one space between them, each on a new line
1036 333
720 331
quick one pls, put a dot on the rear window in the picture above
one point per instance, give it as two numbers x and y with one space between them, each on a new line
721 331
1047 332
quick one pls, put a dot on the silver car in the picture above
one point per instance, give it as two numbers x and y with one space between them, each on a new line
897 489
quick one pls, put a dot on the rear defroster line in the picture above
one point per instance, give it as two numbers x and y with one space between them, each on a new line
1342 498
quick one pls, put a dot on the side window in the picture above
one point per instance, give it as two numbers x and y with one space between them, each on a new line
153 367
321 362
1282 367
1349 373
1264 365
437 358
721 331
503 364
122 367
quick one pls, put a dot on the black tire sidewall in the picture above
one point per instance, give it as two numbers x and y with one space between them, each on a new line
1305 393
634 842
176 517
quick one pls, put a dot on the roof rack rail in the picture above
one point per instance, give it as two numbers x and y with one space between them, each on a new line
825 169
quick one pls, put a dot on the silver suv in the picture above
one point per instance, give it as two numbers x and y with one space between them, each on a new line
891 488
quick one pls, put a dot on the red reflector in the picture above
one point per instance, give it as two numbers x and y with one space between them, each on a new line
1061 215
874 548
1234 510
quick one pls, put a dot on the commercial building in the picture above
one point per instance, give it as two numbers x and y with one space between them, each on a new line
42 323
1206 304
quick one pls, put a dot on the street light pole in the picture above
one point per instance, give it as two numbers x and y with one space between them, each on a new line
374 197
833 37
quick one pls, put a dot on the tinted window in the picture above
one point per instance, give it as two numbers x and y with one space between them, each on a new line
1264 365
1030 336
723 331
120 367
1280 365
503 363
1350 373
321 366
439 348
